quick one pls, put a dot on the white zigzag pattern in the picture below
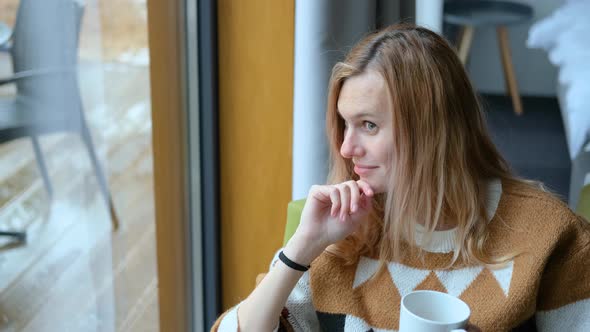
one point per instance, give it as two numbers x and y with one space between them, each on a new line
504 277
365 269
406 278
456 281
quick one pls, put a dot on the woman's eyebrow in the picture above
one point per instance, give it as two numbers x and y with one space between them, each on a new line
361 115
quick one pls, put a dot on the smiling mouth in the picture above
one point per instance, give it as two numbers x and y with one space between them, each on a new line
363 170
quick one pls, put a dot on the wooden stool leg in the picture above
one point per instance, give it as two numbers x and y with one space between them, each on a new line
508 69
465 39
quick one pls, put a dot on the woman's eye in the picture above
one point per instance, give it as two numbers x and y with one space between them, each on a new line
370 126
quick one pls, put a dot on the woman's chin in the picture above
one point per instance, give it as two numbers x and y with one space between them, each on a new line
376 187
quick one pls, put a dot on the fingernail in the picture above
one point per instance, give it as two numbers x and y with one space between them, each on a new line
354 207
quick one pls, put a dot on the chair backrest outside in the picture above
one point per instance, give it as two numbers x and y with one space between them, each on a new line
45 43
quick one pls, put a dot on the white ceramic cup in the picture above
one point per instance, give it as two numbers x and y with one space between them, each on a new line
431 311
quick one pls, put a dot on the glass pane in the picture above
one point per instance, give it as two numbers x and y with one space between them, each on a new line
80 90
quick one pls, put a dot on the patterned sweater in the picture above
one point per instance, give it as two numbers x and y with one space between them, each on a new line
547 285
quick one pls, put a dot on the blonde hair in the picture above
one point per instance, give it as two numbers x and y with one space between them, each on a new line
443 153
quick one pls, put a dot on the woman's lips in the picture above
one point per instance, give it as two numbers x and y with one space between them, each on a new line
363 170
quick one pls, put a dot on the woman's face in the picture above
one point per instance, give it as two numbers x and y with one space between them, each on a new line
365 107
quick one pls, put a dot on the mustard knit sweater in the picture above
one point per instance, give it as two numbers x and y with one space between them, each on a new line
548 285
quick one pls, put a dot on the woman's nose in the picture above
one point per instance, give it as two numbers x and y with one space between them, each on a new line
350 147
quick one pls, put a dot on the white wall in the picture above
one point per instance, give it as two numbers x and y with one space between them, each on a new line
534 74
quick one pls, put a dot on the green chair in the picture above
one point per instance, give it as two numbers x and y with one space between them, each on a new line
579 196
294 209
583 207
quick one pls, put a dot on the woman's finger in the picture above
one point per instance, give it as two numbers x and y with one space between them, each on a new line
365 187
335 199
344 201
354 196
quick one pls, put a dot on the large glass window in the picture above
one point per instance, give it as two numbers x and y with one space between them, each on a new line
77 222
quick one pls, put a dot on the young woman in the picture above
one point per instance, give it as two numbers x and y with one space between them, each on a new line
419 198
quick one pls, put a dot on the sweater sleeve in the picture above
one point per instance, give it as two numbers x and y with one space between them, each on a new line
563 302
297 315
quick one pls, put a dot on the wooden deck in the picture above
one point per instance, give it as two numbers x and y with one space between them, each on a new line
74 274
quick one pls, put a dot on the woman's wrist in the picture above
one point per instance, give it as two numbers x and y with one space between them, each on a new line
302 251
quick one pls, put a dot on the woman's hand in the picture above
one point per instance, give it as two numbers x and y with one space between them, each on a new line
331 213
